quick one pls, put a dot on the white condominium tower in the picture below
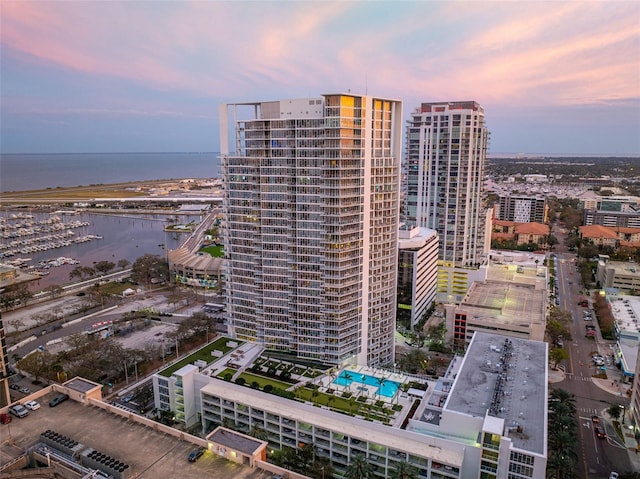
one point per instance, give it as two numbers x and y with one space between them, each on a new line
311 204
446 147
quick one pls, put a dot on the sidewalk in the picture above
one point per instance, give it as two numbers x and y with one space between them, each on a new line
631 444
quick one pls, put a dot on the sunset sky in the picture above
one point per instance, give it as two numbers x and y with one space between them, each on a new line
95 76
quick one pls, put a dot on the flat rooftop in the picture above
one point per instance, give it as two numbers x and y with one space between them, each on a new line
629 349
81 385
626 311
150 454
506 377
506 302
239 442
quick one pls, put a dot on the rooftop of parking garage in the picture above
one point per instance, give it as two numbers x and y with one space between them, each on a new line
162 456
505 302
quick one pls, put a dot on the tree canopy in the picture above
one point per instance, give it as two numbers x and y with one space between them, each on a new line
149 268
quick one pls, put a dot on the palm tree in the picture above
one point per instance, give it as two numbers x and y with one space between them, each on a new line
257 432
332 375
347 377
563 444
559 467
560 423
380 382
228 423
403 471
560 396
358 468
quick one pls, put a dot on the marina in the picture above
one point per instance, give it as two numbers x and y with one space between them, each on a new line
51 244
24 234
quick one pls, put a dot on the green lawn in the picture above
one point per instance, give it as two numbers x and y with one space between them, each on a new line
113 287
227 371
349 406
216 251
263 381
202 353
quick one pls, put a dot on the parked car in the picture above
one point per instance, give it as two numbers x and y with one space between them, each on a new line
196 454
19 410
613 475
15 387
5 418
58 399
32 405
25 390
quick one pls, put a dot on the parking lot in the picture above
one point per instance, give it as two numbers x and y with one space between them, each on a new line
150 454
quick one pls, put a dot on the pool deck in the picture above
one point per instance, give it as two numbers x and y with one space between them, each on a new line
357 388
326 384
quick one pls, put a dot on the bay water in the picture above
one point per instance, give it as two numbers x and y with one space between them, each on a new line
122 237
20 172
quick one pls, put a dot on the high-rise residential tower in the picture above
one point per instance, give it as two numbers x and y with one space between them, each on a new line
523 209
311 206
446 145
5 398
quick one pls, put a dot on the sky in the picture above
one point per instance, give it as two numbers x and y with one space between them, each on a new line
554 77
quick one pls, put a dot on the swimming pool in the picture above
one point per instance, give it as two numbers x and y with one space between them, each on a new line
388 388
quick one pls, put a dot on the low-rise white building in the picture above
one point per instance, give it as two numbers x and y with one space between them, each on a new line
486 417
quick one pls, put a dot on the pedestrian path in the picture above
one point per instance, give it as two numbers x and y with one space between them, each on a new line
588 411
577 377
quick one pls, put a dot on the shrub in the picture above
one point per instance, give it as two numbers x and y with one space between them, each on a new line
240 381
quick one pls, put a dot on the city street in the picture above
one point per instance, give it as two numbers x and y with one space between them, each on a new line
51 337
597 456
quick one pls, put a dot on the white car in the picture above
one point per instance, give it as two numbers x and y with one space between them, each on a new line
32 405
18 410
613 475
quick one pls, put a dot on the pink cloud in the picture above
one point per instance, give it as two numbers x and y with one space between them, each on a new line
524 52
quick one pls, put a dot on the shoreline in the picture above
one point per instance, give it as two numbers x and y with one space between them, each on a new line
97 186
131 189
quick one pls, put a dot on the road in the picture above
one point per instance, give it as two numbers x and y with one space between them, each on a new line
597 456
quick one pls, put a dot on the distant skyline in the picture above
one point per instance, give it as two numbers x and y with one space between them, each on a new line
555 78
